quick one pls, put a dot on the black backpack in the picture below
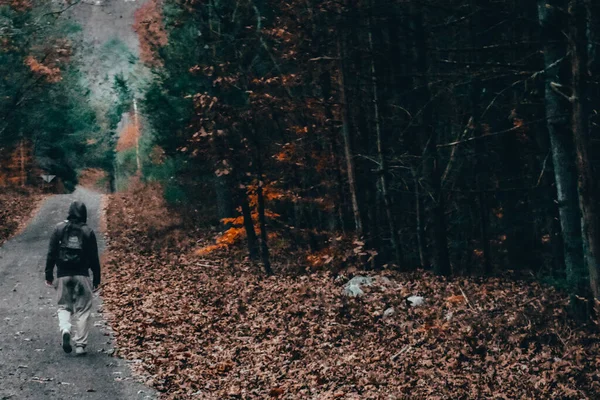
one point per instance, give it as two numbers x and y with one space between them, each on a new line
71 245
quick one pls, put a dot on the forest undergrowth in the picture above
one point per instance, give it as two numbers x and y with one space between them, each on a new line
215 327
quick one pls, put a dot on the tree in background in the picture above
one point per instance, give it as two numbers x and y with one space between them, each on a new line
43 102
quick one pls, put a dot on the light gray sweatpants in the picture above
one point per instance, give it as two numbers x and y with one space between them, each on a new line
75 298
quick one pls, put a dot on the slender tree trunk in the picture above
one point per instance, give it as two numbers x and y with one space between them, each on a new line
350 168
223 182
138 133
326 85
586 184
420 228
562 147
382 160
22 162
225 208
523 237
481 178
251 238
262 220
431 163
593 30
111 181
481 173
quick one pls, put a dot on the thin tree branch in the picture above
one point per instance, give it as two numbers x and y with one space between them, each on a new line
543 169
532 76
487 135
57 12
324 58
556 89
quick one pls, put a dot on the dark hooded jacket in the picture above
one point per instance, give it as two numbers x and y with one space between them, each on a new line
90 261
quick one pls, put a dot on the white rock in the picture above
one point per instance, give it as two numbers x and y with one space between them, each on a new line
390 312
416 301
353 287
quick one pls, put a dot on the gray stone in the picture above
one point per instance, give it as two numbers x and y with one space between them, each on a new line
354 286
416 301
390 312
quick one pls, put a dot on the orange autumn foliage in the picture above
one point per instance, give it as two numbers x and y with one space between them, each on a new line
16 165
237 232
50 74
149 27
230 237
270 193
128 137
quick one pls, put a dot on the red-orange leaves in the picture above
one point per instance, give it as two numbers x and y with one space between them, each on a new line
50 74
128 137
46 61
151 32
17 5
230 237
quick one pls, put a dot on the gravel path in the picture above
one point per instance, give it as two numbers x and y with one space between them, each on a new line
32 363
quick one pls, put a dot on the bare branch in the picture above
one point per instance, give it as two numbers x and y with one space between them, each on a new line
324 58
487 135
58 12
512 85
556 89
543 169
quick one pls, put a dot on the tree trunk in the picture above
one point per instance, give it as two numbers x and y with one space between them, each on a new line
249 226
138 133
562 147
523 232
431 165
420 229
382 161
111 181
222 182
593 30
481 173
326 85
262 220
225 207
23 175
481 179
350 169
587 186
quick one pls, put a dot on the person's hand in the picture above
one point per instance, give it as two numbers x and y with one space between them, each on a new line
49 284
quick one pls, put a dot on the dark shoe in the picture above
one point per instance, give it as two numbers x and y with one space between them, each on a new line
66 345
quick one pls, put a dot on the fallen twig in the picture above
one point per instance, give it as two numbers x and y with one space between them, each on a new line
405 349
466 299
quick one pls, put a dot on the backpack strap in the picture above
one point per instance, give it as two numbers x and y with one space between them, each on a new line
64 230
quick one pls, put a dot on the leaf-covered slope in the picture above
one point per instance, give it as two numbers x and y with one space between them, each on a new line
15 207
216 328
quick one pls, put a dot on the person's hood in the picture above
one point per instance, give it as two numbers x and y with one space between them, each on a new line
77 212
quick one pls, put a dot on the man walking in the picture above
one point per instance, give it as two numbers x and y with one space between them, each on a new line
74 251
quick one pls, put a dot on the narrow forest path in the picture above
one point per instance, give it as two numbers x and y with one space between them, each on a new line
33 364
